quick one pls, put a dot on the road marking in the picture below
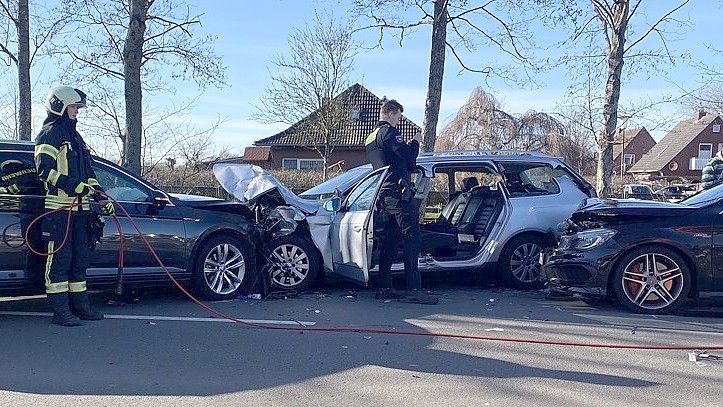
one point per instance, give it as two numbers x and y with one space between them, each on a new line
167 318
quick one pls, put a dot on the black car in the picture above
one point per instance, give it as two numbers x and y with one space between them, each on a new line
652 256
216 245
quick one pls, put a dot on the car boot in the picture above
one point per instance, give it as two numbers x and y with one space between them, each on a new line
61 311
389 294
80 306
419 297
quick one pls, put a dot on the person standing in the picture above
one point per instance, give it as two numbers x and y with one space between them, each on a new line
64 165
712 172
396 213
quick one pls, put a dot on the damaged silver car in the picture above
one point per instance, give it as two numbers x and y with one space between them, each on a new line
476 209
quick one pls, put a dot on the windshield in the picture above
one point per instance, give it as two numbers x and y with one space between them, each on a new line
342 181
705 197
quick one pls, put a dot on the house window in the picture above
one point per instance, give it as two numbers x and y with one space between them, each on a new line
705 151
716 128
301 164
629 159
720 146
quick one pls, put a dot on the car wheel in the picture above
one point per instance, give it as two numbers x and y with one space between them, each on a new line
293 263
652 280
224 268
520 262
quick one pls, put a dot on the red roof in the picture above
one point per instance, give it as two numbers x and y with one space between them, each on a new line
257 154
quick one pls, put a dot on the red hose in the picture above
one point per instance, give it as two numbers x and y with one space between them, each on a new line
395 332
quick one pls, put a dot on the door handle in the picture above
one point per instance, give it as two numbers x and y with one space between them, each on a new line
357 228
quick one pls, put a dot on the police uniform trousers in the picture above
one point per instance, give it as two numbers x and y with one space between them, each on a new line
65 270
400 223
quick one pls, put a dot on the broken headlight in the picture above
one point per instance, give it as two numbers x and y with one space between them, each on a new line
587 239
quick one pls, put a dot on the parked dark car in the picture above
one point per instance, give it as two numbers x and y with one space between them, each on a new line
651 256
214 244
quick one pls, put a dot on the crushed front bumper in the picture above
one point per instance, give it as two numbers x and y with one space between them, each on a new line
584 269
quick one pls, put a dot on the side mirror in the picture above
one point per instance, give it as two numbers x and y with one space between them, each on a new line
160 199
332 205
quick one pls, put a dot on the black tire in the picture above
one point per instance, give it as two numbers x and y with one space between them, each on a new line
297 263
520 262
663 292
222 283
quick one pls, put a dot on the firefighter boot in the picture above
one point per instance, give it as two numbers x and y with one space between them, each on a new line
80 306
61 311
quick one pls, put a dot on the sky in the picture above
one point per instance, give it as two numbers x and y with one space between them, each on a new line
251 33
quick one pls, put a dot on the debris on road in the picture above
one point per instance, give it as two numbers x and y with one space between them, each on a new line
494 330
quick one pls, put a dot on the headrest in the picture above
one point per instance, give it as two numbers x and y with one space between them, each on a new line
469 183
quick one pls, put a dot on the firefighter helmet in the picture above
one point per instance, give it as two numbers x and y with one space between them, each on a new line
61 97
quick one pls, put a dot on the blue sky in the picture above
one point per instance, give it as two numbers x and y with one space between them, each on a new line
250 33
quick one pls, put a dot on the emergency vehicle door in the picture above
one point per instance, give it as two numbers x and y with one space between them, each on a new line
351 232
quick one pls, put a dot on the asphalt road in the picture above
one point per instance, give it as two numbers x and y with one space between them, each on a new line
174 354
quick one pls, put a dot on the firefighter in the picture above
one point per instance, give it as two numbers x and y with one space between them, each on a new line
396 215
64 165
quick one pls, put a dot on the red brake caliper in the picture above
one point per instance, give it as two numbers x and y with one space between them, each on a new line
632 286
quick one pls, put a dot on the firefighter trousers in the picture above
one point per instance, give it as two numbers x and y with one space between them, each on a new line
65 270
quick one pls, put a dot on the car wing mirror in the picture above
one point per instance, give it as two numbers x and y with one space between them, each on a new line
160 199
332 205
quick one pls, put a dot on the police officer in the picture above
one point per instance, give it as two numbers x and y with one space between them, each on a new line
395 214
64 165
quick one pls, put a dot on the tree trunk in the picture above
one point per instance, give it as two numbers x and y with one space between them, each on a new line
132 55
24 95
436 74
616 49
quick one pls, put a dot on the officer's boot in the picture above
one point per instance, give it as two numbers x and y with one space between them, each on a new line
61 311
80 306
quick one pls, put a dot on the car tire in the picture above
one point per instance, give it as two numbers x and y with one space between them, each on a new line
520 262
296 263
642 287
224 268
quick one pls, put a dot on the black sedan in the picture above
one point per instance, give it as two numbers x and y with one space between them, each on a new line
216 245
652 256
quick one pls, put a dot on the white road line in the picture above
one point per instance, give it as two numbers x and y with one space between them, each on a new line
167 318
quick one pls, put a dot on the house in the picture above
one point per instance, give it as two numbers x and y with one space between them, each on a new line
629 147
684 151
292 149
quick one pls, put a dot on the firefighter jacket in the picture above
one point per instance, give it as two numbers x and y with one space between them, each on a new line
63 162
386 147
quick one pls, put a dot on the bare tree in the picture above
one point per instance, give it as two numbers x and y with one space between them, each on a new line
143 44
457 26
15 17
307 86
614 18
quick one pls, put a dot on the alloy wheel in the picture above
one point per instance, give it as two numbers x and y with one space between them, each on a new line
290 265
224 268
525 263
652 281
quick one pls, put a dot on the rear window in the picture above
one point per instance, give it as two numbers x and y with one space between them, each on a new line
528 179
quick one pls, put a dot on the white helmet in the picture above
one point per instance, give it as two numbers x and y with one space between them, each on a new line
61 97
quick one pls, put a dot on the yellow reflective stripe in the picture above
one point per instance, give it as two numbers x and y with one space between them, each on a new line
46 149
49 262
63 159
93 181
56 288
53 177
13 189
371 137
77 287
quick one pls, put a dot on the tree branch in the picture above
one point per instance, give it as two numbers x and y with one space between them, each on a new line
653 27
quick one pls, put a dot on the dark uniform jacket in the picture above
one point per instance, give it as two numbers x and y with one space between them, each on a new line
63 161
386 147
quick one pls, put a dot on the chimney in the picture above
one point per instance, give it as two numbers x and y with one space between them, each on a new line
699 114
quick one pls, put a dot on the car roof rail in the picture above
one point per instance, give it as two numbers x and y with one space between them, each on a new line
484 152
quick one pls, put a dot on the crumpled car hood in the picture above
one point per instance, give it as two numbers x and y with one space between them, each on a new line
248 182
614 209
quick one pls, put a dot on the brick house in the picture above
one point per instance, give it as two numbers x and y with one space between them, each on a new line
292 149
630 146
684 151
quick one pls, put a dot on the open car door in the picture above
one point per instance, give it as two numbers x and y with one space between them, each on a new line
352 230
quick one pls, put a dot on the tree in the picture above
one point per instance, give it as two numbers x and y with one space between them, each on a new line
456 25
307 86
614 18
142 44
17 18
